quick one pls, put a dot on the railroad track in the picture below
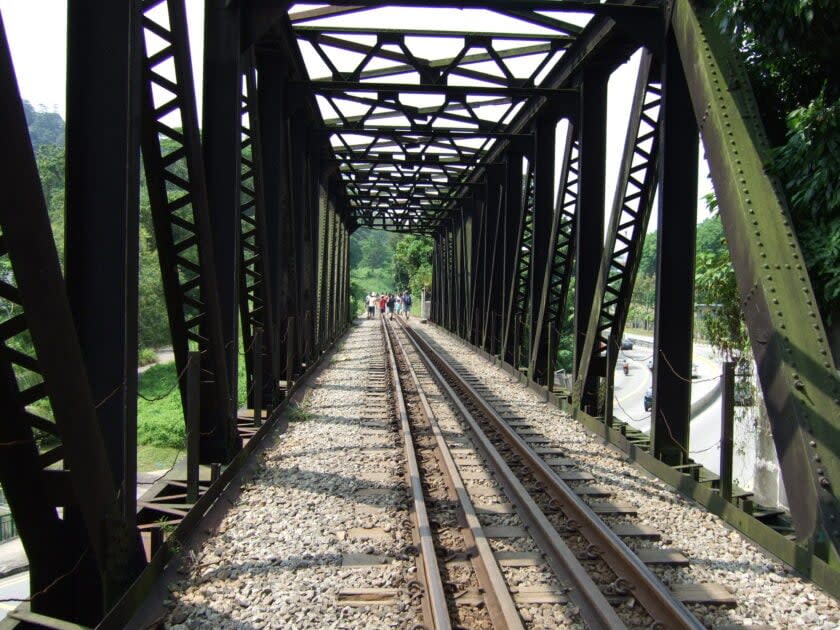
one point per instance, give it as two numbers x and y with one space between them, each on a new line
560 509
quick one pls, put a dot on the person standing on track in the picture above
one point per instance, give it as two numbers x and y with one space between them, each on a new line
371 305
406 302
392 299
383 301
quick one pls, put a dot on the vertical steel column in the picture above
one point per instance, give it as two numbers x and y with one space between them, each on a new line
590 224
102 217
255 273
542 255
295 219
478 268
435 288
271 89
673 339
323 263
466 261
512 222
221 120
494 255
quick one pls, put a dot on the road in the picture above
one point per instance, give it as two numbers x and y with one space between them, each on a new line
16 585
630 390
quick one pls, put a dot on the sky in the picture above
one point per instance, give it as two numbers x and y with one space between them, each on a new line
36 33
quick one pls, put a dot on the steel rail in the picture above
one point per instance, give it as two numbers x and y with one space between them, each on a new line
595 610
501 607
651 593
435 595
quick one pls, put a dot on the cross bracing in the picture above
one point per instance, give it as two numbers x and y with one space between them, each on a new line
407 106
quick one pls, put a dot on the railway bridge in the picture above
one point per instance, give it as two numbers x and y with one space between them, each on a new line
481 123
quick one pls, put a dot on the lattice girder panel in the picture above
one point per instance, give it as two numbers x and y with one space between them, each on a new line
517 308
255 304
628 222
178 197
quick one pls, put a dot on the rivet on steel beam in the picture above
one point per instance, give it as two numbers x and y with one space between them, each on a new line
825 483
817 458
799 384
812 444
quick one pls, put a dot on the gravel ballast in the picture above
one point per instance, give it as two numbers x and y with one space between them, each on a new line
324 517
767 592
328 493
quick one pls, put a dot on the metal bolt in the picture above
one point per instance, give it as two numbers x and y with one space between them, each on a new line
825 483
812 444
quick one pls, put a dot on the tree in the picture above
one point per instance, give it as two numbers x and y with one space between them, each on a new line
790 48
413 263
45 128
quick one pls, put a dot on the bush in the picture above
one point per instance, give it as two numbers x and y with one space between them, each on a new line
146 356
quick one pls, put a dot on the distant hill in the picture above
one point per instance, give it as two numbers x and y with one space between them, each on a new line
44 127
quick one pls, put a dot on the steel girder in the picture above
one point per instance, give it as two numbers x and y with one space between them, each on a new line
81 562
178 195
797 374
516 330
625 234
558 278
255 273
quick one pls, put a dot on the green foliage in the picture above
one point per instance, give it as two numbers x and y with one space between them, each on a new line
45 128
153 323
808 164
791 48
146 356
723 321
372 264
160 422
710 237
647 261
299 413
413 263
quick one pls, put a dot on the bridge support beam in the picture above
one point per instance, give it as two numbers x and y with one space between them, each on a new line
493 248
590 222
542 255
221 115
673 339
102 218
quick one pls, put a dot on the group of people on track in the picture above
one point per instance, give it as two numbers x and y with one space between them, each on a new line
392 302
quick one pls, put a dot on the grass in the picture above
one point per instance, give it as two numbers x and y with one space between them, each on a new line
157 457
160 423
299 413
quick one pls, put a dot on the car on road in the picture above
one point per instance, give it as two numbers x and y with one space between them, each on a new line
627 343
648 402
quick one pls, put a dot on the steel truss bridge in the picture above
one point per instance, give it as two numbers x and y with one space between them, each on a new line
326 118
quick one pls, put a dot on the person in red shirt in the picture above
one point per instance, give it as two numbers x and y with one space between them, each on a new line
383 301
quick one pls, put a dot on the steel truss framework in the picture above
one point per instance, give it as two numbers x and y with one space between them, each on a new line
318 121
